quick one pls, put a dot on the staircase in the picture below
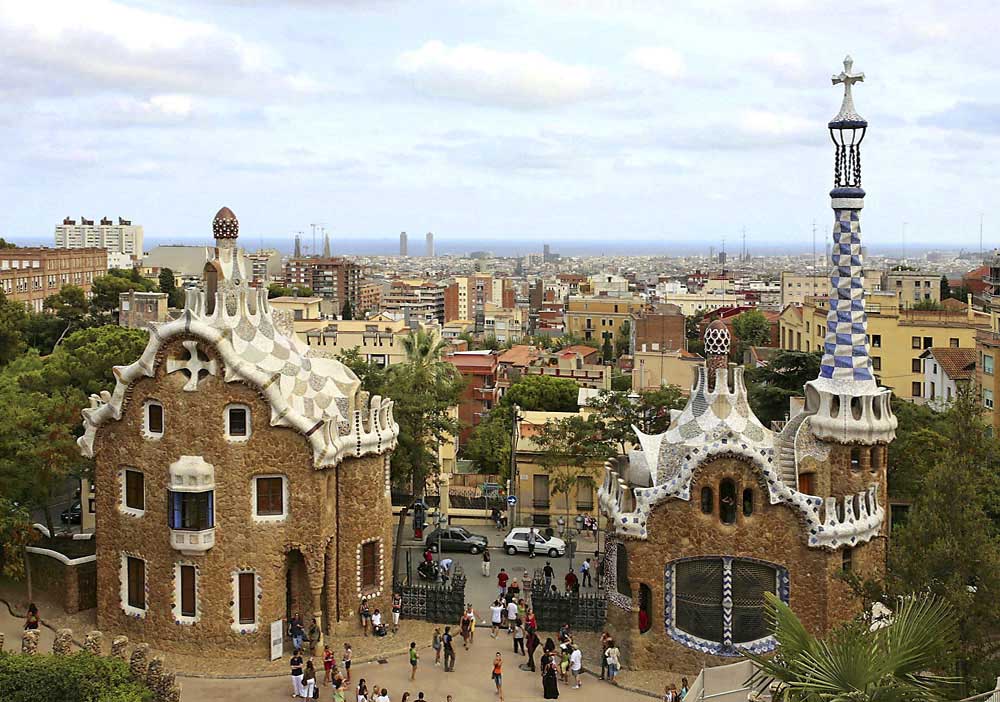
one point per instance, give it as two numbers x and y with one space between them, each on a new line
785 445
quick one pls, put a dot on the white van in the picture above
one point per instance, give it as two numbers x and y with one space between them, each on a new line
516 541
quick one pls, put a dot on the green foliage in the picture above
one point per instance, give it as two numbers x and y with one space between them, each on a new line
4 244
623 341
16 532
649 411
784 376
371 375
621 382
927 305
84 359
888 664
571 448
692 326
70 304
751 328
347 312
12 321
175 296
490 443
42 331
607 350
544 393
945 289
278 290
78 677
107 289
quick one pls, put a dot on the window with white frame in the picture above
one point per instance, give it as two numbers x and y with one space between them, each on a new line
186 593
246 593
152 424
270 498
987 364
237 422
134 585
987 398
133 491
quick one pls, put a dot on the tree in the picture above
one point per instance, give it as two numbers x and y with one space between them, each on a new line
490 442
347 312
623 341
945 289
621 381
12 320
751 328
543 393
278 290
175 296
618 412
42 331
69 304
371 375
106 290
571 448
886 664
16 532
770 387
607 350
4 244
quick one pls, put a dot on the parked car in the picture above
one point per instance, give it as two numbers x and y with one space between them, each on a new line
72 514
455 538
516 541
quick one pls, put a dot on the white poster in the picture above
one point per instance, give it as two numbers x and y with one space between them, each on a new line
277 639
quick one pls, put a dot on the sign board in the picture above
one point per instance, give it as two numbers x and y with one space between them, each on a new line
512 500
277 639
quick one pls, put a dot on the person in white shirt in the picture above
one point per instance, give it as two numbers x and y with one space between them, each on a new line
496 617
511 616
383 696
377 623
576 666
613 656
585 580
446 566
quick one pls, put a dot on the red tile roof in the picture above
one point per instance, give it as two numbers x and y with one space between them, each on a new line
958 364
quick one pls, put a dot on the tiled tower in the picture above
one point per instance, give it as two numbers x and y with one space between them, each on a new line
849 405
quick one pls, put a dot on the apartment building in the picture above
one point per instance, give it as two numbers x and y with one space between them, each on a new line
122 240
507 325
369 299
478 368
898 336
336 279
652 369
415 299
988 345
660 328
946 372
378 340
598 318
265 265
31 274
137 309
912 287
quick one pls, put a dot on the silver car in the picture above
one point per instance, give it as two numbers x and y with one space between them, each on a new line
516 541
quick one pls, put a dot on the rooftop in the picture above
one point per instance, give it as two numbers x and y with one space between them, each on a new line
958 364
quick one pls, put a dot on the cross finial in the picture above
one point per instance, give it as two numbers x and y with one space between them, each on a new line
848 78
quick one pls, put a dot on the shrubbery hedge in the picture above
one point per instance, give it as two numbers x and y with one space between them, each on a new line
79 677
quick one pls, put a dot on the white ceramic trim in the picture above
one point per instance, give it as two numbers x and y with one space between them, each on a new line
269 518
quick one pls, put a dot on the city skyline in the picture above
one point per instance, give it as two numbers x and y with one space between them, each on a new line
476 120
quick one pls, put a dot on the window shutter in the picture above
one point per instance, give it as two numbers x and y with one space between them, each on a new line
188 607
136 573
247 596
369 564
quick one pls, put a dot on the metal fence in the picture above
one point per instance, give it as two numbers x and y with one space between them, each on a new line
435 602
554 608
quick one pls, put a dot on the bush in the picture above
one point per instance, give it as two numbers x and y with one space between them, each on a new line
79 677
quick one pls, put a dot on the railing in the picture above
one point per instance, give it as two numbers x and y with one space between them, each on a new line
540 504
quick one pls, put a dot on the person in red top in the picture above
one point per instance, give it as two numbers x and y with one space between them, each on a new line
571 581
643 621
502 579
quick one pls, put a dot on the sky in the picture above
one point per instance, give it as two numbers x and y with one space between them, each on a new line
555 120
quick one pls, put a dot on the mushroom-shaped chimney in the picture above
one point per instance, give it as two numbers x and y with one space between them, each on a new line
225 225
717 342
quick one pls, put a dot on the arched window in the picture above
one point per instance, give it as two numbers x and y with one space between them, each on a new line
707 500
856 407
876 459
855 459
747 502
727 501
835 406
645 605
621 571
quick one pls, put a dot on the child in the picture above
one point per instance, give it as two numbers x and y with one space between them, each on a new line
414 657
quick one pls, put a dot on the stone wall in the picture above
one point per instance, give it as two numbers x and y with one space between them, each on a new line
63 582
773 533
194 425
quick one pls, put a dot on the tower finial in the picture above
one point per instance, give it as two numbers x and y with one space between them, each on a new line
225 226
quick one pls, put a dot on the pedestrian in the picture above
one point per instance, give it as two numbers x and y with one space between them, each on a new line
472 623
348 653
32 620
564 662
513 591
362 691
295 664
548 573
571 581
296 632
486 562
465 626
309 681
338 688
533 643
436 645
446 568
576 666
406 696
529 621
668 693
684 688
585 572
328 663
414 657
531 543
502 579
383 696
613 656
498 674
449 651
550 675
397 608
496 617
366 615
511 616
605 639
519 637
314 636
378 629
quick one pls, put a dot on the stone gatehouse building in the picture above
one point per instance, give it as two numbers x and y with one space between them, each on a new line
241 477
709 516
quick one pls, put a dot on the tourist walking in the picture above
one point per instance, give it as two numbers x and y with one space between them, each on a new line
486 562
328 663
414 657
465 626
348 653
309 680
314 636
684 688
605 640
496 617
531 543
472 623
548 573
449 651
533 643
571 581
511 616
295 664
576 666
498 674
296 632
550 675
397 608
519 637
585 572
362 691
502 579
32 620
436 645
613 657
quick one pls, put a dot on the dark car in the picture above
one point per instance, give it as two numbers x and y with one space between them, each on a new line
455 538
72 514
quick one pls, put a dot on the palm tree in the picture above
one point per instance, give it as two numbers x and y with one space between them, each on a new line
425 351
885 662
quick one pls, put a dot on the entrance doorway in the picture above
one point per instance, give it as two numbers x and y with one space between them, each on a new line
298 596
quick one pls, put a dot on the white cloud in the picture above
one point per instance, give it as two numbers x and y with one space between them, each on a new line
773 125
661 60
514 79
65 46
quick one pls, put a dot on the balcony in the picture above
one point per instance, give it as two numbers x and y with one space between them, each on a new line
192 543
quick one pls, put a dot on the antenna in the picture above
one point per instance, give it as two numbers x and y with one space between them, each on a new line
815 262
